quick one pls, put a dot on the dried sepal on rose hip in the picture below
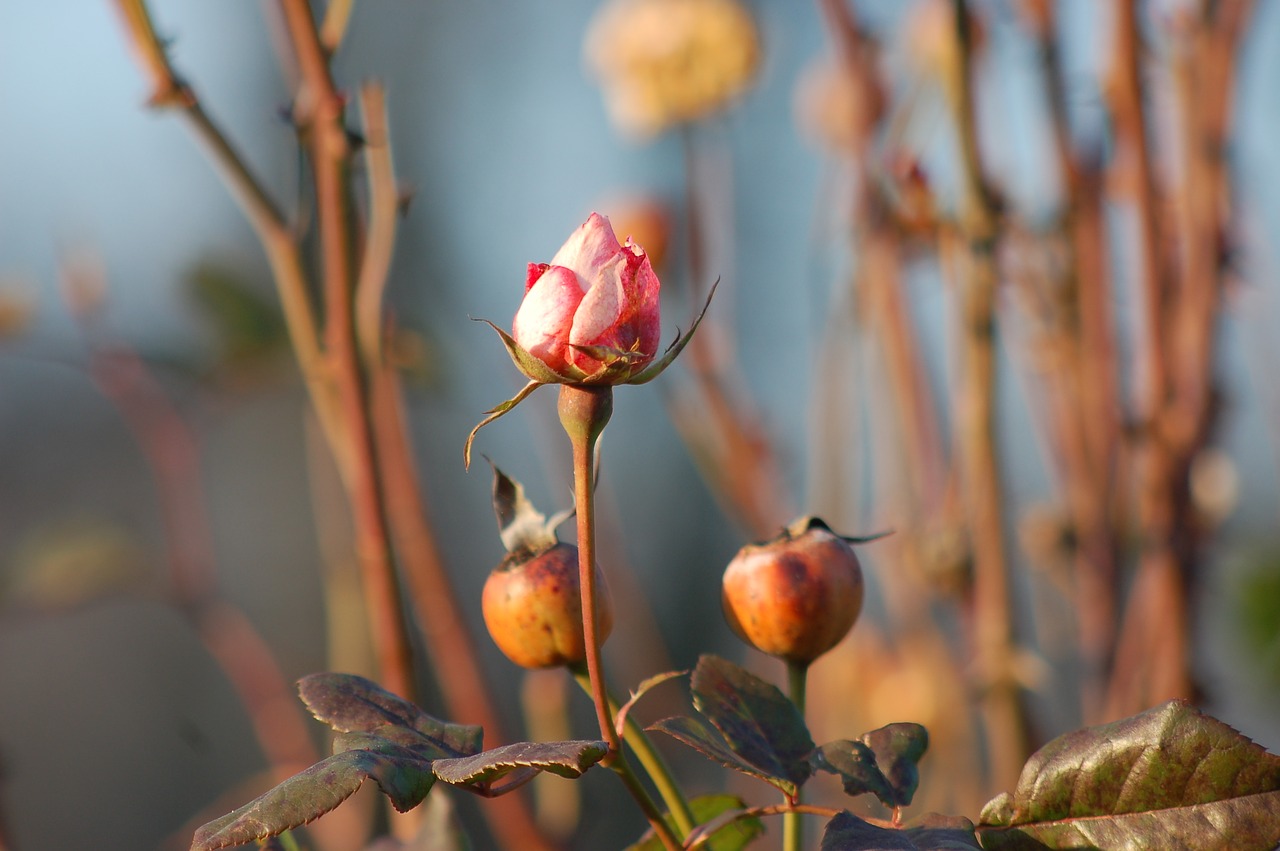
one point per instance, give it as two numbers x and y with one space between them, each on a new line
532 601
795 596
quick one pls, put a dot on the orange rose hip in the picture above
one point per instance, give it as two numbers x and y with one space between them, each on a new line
795 596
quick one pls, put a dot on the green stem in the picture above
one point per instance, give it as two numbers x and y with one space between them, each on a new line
584 412
650 760
792 821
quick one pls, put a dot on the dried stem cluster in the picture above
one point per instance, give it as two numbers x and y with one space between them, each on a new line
338 330
1120 433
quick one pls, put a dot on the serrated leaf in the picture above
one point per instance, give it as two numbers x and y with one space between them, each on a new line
855 763
759 722
349 703
403 776
733 836
521 526
495 413
898 748
566 759
1169 777
707 740
656 368
410 740
847 832
1248 823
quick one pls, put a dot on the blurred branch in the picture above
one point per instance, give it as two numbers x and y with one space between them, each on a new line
380 235
384 493
977 460
171 448
170 91
1078 380
333 28
319 111
1157 603
1153 661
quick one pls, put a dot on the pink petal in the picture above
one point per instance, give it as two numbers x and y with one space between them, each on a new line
535 272
620 310
590 248
545 317
643 295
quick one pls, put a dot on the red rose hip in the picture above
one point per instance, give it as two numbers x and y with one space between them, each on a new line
796 596
532 607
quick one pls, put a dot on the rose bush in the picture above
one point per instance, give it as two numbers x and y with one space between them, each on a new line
594 305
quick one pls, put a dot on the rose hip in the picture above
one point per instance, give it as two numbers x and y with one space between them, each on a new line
533 609
796 596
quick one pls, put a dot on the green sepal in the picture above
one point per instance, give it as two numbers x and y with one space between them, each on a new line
531 366
673 351
496 412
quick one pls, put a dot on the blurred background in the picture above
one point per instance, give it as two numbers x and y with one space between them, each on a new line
1094 181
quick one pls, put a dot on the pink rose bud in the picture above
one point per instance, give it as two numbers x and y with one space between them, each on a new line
594 293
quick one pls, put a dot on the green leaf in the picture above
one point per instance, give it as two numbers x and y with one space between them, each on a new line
1169 777
855 763
494 413
656 368
705 739
349 703
246 320
897 748
759 722
522 526
403 776
410 740
567 759
733 836
847 832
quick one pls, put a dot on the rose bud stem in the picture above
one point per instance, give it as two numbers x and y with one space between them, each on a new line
793 822
584 412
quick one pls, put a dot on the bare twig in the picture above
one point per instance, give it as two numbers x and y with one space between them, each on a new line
170 91
1079 380
380 235
976 456
319 112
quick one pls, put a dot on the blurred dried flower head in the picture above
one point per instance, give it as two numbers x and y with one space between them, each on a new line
1215 484
17 309
667 62
835 107
83 280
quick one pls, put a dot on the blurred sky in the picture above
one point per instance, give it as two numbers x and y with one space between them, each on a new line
504 136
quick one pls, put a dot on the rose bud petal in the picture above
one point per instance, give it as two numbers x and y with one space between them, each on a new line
545 317
595 292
